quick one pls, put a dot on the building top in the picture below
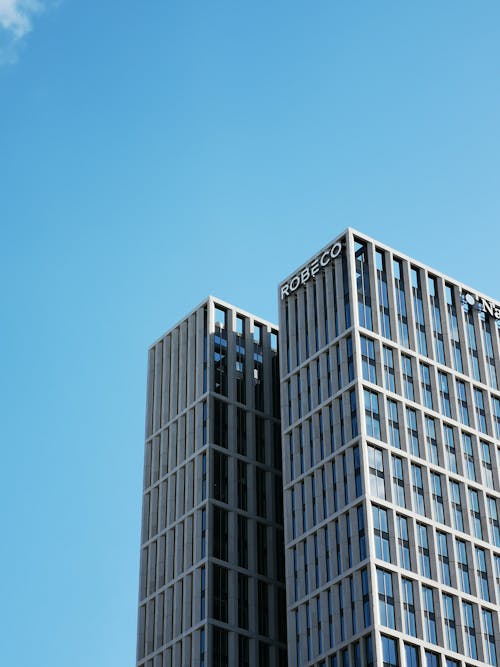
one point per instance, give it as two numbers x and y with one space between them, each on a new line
489 304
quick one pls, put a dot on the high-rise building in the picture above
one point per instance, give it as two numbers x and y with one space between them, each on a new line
212 586
389 474
391 461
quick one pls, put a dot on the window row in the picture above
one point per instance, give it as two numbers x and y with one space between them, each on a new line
436 390
432 494
334 616
437 617
327 553
435 554
420 311
323 377
320 435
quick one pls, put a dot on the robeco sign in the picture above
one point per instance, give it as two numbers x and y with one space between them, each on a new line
311 270
489 307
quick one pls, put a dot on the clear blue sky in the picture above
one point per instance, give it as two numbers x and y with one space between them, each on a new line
154 152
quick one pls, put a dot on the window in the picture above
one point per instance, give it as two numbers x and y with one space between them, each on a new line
389 652
393 423
472 346
495 402
490 653
368 359
386 598
450 633
382 550
357 471
443 560
486 464
430 440
398 487
365 589
482 575
425 386
469 468
403 542
363 286
418 310
412 432
436 320
400 302
376 469
453 328
389 369
444 394
423 551
463 567
456 506
429 615
449 449
361 533
417 489
469 630
407 372
372 414
475 516
408 607
383 298
220 592
412 656
463 411
437 497
480 412
491 507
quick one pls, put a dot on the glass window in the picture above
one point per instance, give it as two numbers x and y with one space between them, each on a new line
417 489
412 432
425 386
376 469
444 394
403 542
469 630
429 614
408 607
372 414
450 633
389 380
463 410
443 559
480 412
431 441
490 653
368 359
491 507
482 575
386 598
463 566
363 286
398 487
436 320
407 372
453 328
393 423
437 497
381 531
418 310
475 516
389 652
401 312
456 506
449 449
469 468
383 298
423 551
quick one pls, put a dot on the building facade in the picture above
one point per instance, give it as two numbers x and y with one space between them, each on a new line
212 585
391 458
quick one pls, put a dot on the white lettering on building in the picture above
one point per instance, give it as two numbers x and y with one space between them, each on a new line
311 270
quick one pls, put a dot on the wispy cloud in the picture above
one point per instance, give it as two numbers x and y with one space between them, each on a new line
16 21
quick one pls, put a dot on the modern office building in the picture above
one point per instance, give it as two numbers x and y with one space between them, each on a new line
389 474
212 585
391 458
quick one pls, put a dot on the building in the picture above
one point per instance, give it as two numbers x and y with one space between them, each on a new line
391 458
389 474
212 587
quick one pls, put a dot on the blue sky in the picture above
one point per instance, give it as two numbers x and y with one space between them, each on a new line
152 153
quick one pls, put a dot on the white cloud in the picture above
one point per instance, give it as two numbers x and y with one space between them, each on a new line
15 22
